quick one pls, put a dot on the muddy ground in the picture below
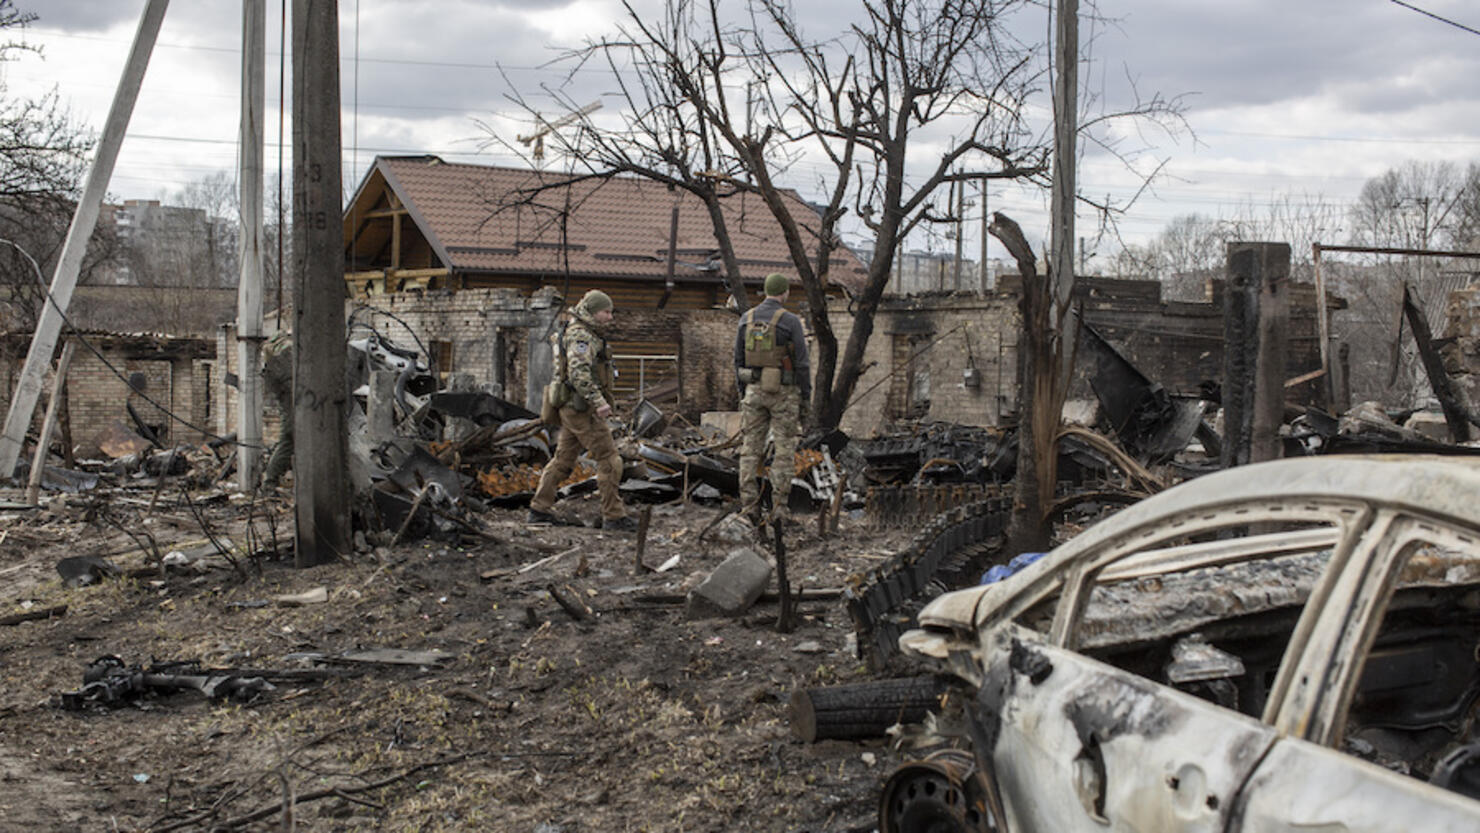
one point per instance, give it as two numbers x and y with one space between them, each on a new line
637 719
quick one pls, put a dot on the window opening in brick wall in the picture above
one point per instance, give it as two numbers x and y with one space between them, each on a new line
441 357
500 362
909 381
154 379
207 409
646 370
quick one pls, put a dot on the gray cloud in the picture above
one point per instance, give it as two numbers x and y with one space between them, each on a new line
1266 51
81 16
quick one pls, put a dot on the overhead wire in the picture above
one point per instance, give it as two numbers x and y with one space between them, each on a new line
74 332
1439 18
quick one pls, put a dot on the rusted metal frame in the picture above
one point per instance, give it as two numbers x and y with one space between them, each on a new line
1138 475
1323 324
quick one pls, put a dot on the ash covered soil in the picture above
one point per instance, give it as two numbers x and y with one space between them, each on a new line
636 719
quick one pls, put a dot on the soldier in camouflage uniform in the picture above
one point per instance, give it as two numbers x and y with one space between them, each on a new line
583 365
775 380
277 381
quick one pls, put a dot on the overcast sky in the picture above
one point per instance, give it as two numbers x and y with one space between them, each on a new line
1304 99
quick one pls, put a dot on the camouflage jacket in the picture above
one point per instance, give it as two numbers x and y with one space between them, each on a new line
588 367
277 370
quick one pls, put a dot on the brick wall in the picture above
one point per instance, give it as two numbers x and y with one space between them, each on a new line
945 334
97 396
704 341
486 328
1176 344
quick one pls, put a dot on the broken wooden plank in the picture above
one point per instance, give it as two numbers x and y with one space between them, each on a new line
644 518
534 565
33 615
1433 364
392 656
571 602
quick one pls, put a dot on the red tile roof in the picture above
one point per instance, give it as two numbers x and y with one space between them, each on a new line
617 227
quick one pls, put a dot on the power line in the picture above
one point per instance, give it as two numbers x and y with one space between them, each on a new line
1427 13
194 95
1357 139
76 333
191 47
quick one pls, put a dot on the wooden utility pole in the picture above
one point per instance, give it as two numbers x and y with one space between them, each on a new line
1256 312
64 280
320 396
986 277
1066 131
249 289
958 188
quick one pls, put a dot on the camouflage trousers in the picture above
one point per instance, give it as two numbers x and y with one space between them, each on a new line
780 414
583 430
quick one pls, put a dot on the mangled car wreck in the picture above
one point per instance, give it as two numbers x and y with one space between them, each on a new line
1285 646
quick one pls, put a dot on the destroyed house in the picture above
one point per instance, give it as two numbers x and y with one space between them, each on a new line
953 357
137 382
420 225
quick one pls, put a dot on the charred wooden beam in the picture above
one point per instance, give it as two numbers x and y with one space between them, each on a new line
1455 413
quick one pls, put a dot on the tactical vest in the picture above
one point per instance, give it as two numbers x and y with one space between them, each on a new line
761 348
602 372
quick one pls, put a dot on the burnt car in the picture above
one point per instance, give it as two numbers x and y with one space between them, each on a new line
1282 646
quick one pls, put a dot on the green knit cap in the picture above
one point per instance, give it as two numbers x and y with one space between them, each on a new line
777 283
595 301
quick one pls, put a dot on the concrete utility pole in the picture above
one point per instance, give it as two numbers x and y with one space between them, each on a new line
1066 131
320 395
49 325
249 290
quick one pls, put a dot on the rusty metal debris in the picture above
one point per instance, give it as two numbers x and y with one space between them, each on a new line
109 682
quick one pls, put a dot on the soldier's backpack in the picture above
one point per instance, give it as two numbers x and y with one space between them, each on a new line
763 356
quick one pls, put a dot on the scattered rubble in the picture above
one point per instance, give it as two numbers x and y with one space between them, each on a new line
455 639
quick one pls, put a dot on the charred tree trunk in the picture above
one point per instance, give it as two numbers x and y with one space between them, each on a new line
733 282
1038 403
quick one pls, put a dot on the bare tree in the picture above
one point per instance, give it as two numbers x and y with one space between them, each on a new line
853 103
42 154
747 104
1417 205
215 255
655 134
1465 233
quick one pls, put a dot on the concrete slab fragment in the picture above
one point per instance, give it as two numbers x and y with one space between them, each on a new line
732 588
